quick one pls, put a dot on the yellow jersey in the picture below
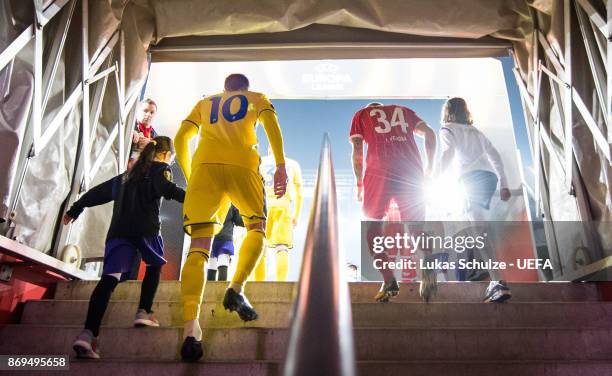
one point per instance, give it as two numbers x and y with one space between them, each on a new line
267 169
226 125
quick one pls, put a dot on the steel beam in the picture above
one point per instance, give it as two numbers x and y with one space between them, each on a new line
524 93
594 15
59 118
50 11
37 114
102 74
608 60
98 99
108 144
598 136
56 52
86 144
568 144
552 57
17 45
100 56
597 70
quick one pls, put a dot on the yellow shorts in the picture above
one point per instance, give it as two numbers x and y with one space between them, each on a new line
213 187
279 229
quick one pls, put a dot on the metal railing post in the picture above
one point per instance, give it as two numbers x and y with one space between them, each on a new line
321 333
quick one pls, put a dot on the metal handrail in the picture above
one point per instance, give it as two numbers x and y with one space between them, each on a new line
321 333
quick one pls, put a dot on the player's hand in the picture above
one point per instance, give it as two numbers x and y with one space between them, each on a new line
359 192
135 137
67 219
504 194
143 142
294 221
280 181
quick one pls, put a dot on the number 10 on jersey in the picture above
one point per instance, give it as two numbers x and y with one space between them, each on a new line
226 109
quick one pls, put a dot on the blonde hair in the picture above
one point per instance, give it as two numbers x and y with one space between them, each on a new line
455 110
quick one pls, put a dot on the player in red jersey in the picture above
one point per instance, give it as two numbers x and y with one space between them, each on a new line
394 171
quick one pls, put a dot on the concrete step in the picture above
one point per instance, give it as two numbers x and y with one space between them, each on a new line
277 315
419 368
372 344
121 314
172 368
487 368
361 292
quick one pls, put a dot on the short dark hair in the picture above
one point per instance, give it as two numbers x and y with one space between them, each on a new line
236 81
374 104
149 101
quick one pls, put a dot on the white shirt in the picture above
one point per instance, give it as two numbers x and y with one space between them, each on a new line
472 150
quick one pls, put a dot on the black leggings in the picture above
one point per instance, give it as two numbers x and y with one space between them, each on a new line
104 289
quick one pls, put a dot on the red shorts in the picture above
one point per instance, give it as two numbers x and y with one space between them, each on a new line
405 188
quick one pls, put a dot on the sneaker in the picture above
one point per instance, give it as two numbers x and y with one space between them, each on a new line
143 319
497 292
191 351
239 303
429 285
86 345
387 290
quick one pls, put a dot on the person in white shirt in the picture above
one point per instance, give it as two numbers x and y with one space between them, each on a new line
480 168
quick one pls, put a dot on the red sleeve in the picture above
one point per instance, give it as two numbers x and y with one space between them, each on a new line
412 118
356 126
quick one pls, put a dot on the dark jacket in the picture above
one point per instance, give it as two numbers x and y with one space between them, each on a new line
136 208
232 219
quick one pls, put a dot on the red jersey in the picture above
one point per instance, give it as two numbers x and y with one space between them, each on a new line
148 132
388 133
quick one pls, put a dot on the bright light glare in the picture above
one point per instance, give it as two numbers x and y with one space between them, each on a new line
445 195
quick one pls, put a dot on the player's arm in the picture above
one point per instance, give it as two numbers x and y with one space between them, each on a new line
425 131
166 188
98 195
447 141
268 119
357 161
498 165
356 139
297 182
188 130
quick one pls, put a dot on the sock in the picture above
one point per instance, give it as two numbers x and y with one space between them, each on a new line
251 249
149 287
192 329
282 263
211 275
222 273
224 259
99 302
260 270
192 283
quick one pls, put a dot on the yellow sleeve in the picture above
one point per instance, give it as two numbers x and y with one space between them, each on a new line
268 119
187 131
297 182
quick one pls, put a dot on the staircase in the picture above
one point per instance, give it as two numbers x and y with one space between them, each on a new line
546 329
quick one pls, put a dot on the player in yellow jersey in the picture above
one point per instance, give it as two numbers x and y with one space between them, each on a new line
283 215
224 169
